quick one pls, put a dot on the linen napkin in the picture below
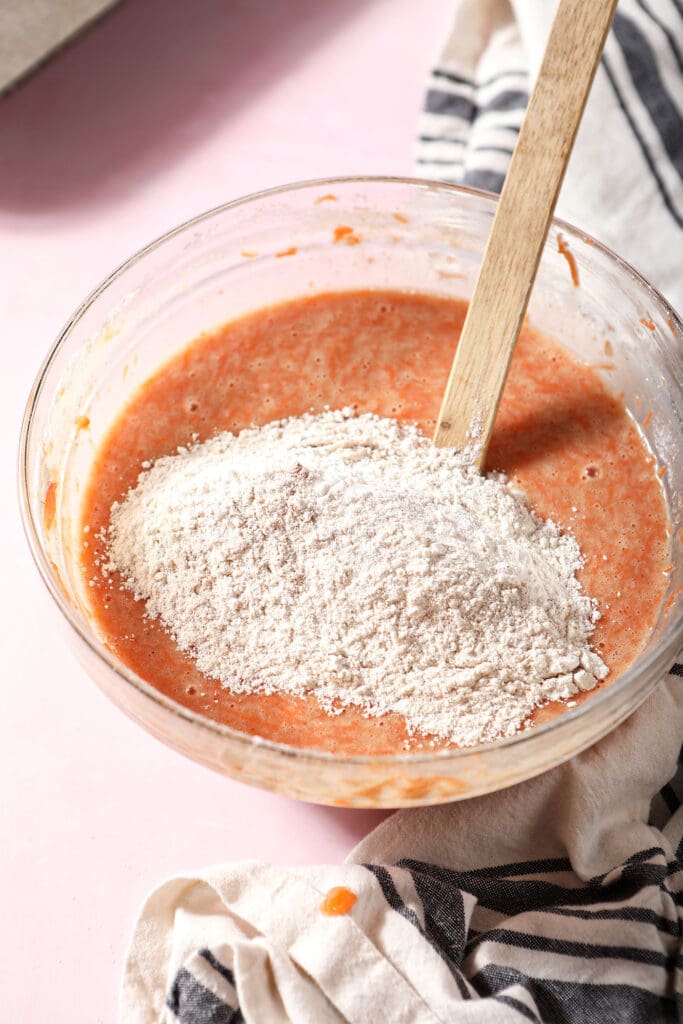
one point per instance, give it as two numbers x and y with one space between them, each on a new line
624 183
558 900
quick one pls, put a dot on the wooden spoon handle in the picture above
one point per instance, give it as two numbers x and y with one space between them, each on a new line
520 226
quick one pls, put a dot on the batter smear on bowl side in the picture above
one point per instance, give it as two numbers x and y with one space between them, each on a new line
332 580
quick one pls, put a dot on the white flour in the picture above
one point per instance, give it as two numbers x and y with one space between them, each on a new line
345 556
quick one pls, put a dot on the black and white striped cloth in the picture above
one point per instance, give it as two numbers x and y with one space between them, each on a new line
557 901
624 183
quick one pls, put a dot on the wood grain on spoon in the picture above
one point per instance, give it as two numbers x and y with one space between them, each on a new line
520 226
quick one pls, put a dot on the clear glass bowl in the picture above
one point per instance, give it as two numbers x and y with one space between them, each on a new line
415 235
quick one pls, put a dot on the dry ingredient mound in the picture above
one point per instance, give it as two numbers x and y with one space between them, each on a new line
344 556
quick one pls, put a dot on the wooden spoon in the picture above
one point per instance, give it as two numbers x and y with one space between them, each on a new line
520 226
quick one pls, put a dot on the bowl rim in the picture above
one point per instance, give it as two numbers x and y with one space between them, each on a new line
664 654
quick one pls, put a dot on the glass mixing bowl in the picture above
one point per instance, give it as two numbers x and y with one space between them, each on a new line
414 235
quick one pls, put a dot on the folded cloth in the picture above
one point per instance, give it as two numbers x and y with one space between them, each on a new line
624 183
555 901
559 900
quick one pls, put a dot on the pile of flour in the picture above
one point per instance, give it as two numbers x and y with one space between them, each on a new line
346 557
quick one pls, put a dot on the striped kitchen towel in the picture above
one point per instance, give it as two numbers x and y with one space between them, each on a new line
624 183
557 901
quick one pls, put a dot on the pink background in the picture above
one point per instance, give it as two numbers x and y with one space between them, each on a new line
163 110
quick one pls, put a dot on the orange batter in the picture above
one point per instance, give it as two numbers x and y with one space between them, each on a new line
559 434
338 901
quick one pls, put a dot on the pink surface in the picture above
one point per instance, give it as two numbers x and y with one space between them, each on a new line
161 111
